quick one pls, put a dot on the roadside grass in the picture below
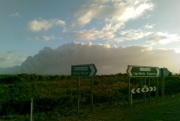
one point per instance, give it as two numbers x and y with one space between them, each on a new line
55 99
167 109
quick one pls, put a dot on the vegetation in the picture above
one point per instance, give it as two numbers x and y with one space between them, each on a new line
56 96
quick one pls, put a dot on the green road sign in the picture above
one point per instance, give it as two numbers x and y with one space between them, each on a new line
142 71
87 70
164 72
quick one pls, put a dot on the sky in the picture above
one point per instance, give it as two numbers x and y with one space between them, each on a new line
48 36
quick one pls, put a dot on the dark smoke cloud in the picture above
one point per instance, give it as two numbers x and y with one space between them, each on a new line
108 59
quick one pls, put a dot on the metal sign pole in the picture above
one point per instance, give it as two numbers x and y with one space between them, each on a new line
131 99
145 91
157 90
163 87
129 92
92 82
149 87
31 114
78 96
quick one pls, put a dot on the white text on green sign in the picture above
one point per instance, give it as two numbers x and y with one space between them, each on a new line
87 70
142 71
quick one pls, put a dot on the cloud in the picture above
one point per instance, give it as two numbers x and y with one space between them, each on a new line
114 10
112 16
133 34
177 50
106 33
10 59
39 25
109 33
108 59
148 26
163 38
44 38
16 14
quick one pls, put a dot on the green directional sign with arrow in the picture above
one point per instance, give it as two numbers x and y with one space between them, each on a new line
142 71
86 70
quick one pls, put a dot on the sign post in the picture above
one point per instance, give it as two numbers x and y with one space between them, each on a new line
144 90
86 70
31 110
164 73
141 71
129 93
149 94
78 95
157 92
92 89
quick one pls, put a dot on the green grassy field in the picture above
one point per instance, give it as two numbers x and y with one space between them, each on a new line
167 109
55 99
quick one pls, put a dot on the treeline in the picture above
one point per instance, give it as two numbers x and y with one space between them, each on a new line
35 77
31 77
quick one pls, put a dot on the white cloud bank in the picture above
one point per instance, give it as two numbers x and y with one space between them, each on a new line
108 59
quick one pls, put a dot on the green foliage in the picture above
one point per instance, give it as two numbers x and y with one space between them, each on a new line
172 85
58 93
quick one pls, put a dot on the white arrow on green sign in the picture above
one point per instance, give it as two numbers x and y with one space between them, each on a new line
86 70
142 71
143 89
